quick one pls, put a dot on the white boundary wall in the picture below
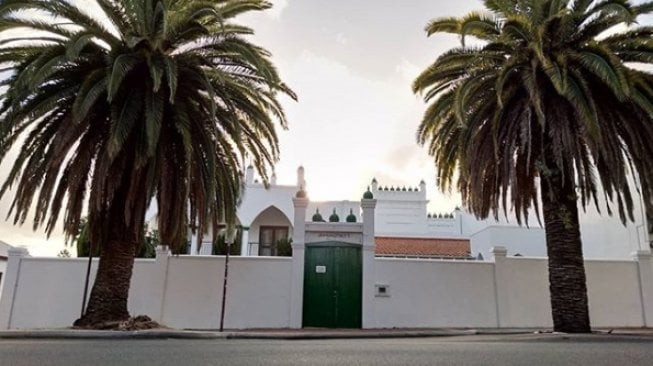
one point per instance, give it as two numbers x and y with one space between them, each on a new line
185 292
506 292
178 291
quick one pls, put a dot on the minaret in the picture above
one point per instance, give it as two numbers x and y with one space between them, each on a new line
249 175
301 182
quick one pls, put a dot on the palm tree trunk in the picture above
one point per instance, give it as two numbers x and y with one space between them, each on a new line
568 289
108 300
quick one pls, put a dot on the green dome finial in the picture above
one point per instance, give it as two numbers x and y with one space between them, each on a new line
317 217
334 217
351 217
368 194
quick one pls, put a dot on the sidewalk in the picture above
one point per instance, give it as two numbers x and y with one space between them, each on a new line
288 334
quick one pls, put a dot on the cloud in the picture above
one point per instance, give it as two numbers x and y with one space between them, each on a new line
407 70
341 38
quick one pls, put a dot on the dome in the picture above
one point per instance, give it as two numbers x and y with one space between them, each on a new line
301 193
351 217
368 195
334 217
317 217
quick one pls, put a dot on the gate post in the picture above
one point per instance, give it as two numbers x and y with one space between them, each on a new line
645 272
16 256
368 203
300 202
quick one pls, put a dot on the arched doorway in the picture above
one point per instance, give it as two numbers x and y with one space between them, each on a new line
270 233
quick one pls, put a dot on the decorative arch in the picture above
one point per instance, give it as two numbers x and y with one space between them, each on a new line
272 208
270 227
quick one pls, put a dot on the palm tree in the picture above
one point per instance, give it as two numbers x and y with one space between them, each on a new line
141 100
544 108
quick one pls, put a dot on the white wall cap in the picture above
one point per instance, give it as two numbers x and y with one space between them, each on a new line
17 252
499 251
641 254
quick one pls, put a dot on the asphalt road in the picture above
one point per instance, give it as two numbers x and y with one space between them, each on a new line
468 350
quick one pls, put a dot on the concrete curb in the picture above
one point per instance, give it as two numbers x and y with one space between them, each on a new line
108 334
266 334
344 335
301 334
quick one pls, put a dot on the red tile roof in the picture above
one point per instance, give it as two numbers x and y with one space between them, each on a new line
422 247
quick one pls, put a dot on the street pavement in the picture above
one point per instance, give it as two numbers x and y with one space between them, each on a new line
487 350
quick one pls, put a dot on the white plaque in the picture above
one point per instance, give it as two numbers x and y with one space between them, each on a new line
320 269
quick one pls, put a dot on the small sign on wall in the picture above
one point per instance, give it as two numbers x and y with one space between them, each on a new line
382 290
320 269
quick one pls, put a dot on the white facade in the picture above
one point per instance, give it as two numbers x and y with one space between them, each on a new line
261 206
402 212
520 241
603 236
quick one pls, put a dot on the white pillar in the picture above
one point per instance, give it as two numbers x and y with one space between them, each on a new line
14 259
369 261
499 257
458 216
298 246
193 245
244 245
645 269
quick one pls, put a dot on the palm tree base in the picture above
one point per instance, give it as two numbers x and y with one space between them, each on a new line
140 322
108 300
89 322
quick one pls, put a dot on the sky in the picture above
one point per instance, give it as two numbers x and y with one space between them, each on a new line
351 63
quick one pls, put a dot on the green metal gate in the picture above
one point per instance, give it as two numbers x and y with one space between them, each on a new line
332 285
